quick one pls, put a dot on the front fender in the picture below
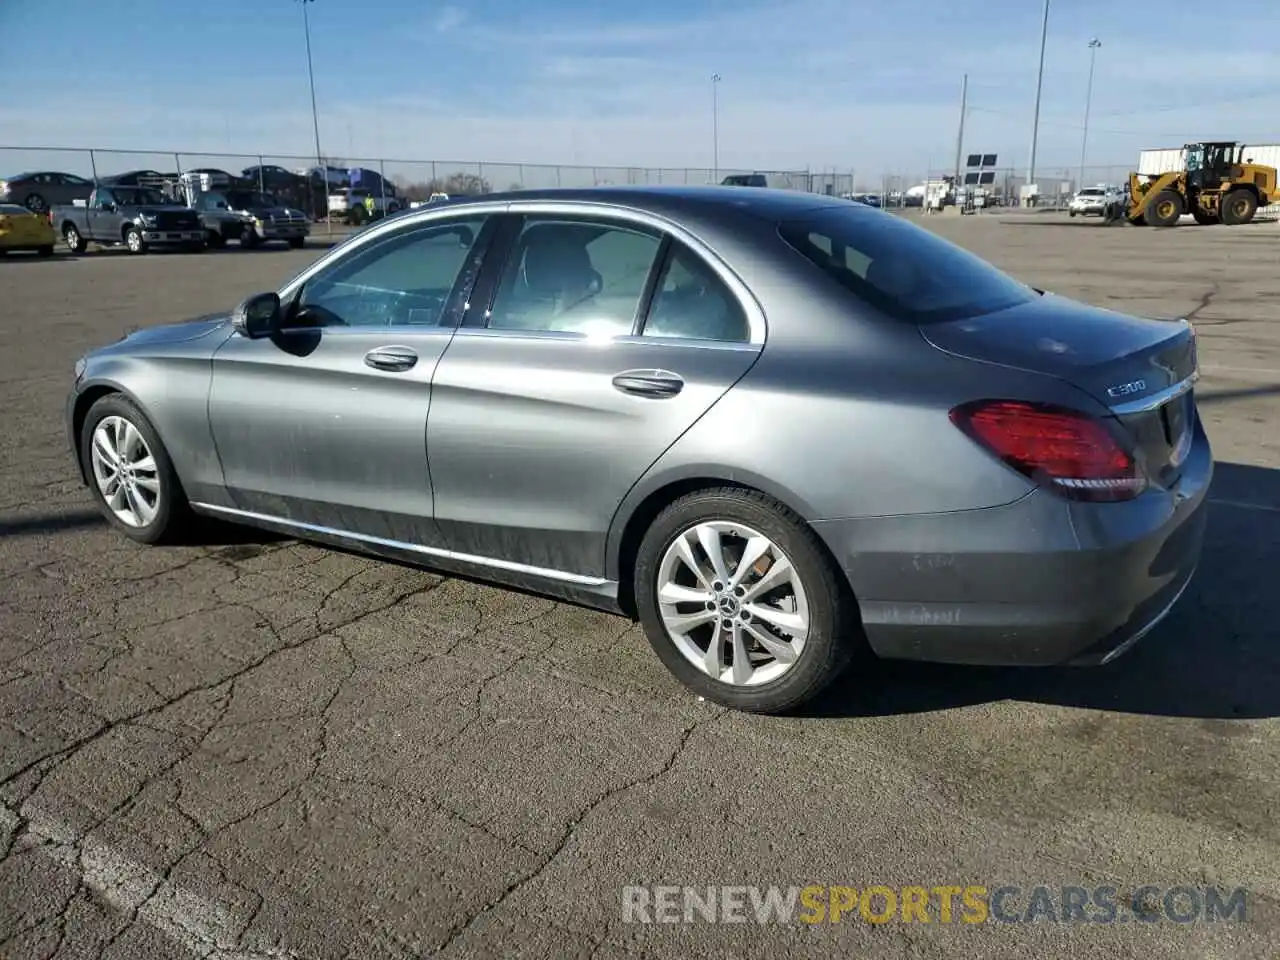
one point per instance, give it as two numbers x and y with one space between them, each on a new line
172 391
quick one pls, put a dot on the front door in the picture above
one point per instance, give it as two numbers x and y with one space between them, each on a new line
604 342
325 423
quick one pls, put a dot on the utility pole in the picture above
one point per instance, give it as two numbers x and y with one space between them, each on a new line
715 129
1094 44
964 108
1035 123
311 78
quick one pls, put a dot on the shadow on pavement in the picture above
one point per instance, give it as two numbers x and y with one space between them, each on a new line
1215 657
49 523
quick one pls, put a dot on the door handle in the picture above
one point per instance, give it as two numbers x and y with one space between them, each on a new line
395 359
655 384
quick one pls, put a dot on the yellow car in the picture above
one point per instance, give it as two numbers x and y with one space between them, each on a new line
20 229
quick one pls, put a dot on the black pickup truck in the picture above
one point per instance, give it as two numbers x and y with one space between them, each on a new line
250 217
136 217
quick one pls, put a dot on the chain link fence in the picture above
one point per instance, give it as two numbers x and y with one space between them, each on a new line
329 186
1057 185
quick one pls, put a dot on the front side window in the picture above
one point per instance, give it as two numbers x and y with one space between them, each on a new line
692 303
402 279
574 276
903 270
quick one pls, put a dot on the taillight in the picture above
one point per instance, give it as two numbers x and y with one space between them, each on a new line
1071 452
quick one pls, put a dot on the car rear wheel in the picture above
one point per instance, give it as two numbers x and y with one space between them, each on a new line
741 602
297 242
130 473
71 237
45 251
35 203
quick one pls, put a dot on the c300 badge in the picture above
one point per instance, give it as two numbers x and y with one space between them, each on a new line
1127 389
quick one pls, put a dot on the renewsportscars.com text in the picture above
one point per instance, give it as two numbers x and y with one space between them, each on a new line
816 904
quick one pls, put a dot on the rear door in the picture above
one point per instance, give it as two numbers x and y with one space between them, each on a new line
603 341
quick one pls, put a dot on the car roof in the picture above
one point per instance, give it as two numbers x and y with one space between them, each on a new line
760 202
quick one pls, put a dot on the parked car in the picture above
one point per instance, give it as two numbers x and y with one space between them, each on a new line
136 217
40 191
349 204
23 229
865 447
249 217
1093 201
136 178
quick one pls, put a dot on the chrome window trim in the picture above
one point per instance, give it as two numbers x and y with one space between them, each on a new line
1156 400
571 208
438 552
406 222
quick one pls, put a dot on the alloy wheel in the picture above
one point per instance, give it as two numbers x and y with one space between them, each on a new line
125 471
732 603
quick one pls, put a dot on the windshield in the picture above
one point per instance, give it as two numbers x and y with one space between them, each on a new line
140 197
247 199
903 270
1090 192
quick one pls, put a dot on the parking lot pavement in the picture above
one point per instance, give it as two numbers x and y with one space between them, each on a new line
259 749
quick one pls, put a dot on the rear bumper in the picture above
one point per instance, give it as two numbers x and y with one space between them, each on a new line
1037 582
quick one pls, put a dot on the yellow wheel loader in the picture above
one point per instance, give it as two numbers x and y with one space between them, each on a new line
1219 184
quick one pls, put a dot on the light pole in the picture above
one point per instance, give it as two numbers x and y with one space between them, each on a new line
1094 44
1035 122
715 129
311 78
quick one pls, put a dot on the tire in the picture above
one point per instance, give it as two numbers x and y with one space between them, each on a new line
168 519
35 203
1203 218
71 237
45 251
214 239
1238 207
297 243
1071 213
1164 209
133 240
773 686
249 238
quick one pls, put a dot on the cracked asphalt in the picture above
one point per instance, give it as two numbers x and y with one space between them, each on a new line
255 748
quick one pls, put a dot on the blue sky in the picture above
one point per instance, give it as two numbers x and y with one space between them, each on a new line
827 84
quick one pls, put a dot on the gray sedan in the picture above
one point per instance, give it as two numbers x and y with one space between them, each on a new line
781 430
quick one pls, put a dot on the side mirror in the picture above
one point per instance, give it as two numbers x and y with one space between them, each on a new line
106 205
259 316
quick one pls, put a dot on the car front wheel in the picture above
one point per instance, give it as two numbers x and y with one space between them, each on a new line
130 473
742 603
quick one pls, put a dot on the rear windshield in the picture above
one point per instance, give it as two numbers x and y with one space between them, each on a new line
903 270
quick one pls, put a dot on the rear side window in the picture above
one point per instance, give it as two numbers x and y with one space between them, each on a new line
901 269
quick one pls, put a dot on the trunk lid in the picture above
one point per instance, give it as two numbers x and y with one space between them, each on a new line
1141 369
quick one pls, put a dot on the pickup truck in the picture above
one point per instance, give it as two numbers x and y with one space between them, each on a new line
136 217
250 217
